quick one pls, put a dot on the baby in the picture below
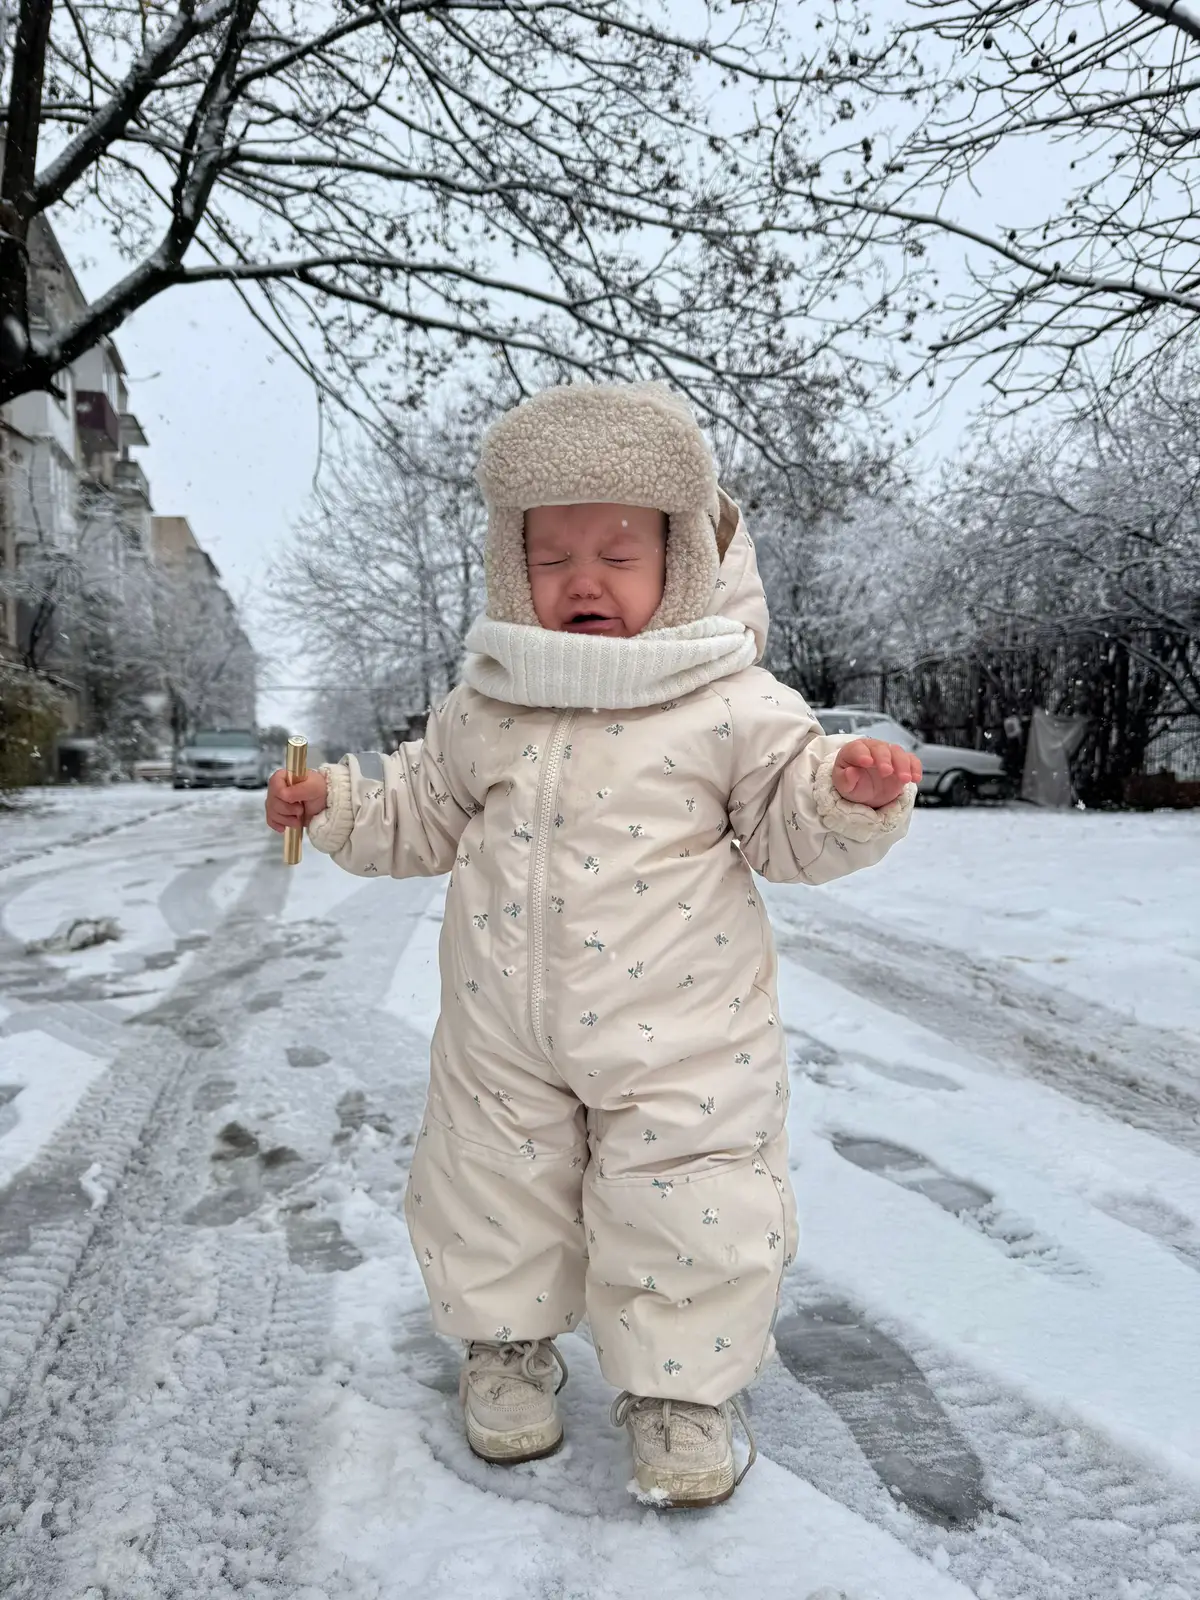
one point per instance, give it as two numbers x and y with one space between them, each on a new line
604 1136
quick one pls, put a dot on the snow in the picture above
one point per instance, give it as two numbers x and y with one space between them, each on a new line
1034 1251
50 1078
44 819
1101 904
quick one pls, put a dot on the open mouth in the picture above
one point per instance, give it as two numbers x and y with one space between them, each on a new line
591 622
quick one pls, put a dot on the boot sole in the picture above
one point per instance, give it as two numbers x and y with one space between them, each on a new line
511 1449
684 1494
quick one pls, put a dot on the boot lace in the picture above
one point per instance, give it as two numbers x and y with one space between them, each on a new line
524 1360
626 1404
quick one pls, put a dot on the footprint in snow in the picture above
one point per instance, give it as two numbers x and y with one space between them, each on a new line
974 1206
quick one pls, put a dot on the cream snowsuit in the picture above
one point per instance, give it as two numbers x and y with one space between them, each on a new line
604 1134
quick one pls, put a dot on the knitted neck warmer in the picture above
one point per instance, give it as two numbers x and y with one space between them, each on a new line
531 666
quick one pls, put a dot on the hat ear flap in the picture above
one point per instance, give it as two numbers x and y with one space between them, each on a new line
509 597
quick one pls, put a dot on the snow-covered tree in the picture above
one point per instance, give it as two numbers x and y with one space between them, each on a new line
384 577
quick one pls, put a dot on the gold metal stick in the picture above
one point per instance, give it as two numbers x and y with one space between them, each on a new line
297 767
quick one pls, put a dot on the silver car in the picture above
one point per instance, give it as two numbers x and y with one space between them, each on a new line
221 758
951 773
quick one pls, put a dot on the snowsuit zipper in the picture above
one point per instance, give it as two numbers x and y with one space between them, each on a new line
543 830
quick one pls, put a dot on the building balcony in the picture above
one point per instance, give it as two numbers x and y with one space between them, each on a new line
130 480
97 420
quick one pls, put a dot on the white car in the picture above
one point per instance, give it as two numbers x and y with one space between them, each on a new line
951 773
221 758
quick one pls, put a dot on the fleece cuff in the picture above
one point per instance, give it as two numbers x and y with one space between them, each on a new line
849 820
329 829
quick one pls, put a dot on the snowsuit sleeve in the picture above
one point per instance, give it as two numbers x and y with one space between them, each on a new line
792 824
400 814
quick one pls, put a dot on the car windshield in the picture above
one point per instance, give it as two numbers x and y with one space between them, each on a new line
835 722
236 738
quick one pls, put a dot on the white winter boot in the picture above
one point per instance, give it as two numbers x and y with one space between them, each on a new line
507 1393
682 1452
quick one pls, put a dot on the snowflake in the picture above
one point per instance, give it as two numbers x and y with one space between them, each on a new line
649 1136
480 919
615 728
722 730
512 909
710 1217
722 1343
594 941
708 1106
648 1282
589 1019
671 1367
687 982
773 1238
663 1185
636 829
742 1059
530 752
722 939
640 886
591 864
685 909
637 969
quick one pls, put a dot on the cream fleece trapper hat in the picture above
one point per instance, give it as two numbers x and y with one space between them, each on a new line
633 443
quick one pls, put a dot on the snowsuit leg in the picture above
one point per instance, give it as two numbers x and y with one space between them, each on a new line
494 1197
691 1222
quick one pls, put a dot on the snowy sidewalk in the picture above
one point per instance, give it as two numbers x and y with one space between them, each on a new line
222 1376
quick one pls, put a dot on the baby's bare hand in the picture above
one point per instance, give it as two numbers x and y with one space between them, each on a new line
872 772
293 805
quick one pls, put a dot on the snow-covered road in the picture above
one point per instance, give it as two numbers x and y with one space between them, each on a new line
217 1376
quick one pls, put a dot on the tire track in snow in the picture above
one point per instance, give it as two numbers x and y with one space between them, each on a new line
1146 1077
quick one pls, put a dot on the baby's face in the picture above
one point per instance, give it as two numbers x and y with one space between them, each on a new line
596 568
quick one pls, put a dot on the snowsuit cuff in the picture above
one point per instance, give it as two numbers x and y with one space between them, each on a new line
329 829
853 821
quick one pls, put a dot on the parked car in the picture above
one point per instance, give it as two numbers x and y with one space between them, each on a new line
158 768
221 758
950 773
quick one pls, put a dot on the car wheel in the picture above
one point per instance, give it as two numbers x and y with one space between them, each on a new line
960 791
